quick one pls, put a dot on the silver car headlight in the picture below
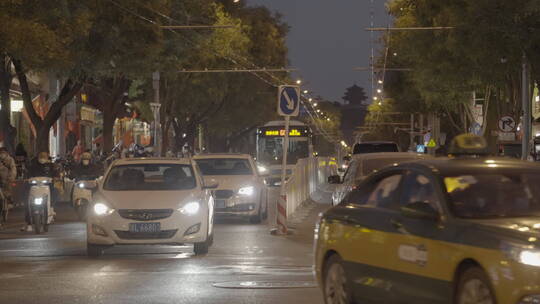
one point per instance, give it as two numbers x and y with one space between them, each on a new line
246 190
191 208
102 209
262 169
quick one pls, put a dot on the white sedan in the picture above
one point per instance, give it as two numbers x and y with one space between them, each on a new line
241 190
150 201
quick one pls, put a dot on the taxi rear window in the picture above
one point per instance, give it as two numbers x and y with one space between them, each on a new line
494 195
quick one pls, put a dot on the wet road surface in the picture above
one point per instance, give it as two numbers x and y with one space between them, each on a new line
53 268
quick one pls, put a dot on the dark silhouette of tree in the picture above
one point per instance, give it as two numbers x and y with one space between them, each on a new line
355 95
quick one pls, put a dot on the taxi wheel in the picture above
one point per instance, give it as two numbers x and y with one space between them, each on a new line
474 288
335 290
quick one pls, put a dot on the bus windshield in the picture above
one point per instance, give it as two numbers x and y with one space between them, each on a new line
270 150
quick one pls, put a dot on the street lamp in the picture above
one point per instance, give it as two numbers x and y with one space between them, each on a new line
306 91
299 81
379 91
315 104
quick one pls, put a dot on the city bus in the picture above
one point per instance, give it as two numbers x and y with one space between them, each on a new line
270 148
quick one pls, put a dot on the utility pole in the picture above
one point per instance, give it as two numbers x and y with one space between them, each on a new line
156 105
526 104
411 134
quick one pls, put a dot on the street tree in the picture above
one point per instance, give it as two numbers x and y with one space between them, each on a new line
41 37
482 53
126 42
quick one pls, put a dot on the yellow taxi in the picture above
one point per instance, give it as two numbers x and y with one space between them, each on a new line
463 229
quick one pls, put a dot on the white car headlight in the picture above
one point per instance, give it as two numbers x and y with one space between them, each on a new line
191 208
38 201
81 185
33 182
102 209
246 190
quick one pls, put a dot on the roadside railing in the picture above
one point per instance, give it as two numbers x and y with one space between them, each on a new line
309 176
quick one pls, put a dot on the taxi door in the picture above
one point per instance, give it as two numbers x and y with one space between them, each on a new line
363 240
423 259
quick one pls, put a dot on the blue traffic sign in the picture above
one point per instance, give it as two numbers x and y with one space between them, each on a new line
289 100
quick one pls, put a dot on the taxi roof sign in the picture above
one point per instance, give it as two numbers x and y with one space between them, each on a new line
468 144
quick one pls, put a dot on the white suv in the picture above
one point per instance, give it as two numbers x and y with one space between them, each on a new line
151 201
241 190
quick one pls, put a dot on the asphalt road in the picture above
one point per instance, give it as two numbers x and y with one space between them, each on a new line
53 268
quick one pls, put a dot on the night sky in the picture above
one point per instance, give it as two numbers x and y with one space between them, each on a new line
327 40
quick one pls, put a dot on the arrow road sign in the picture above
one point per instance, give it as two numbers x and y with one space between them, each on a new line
507 124
288 100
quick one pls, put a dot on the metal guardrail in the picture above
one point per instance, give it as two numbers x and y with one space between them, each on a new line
309 176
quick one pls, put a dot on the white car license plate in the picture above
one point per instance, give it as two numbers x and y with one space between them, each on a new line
144 227
220 204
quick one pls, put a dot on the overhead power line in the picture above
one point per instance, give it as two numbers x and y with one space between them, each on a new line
428 28
381 68
196 27
237 70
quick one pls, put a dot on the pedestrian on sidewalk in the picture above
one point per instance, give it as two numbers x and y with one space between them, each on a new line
77 151
8 173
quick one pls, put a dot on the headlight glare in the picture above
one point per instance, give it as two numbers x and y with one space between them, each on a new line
246 190
521 253
530 257
38 201
101 209
191 208
262 169
81 185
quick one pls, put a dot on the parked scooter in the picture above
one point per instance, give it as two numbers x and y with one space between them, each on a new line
81 197
39 203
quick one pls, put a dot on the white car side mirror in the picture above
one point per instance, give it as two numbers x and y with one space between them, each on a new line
90 185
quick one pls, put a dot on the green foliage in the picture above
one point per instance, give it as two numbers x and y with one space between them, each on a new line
483 53
44 35
228 103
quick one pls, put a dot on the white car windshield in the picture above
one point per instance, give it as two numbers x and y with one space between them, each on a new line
150 177
225 166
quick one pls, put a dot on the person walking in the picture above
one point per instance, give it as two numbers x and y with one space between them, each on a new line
78 150
8 173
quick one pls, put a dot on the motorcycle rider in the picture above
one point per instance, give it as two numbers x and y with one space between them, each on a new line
8 173
41 166
87 169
